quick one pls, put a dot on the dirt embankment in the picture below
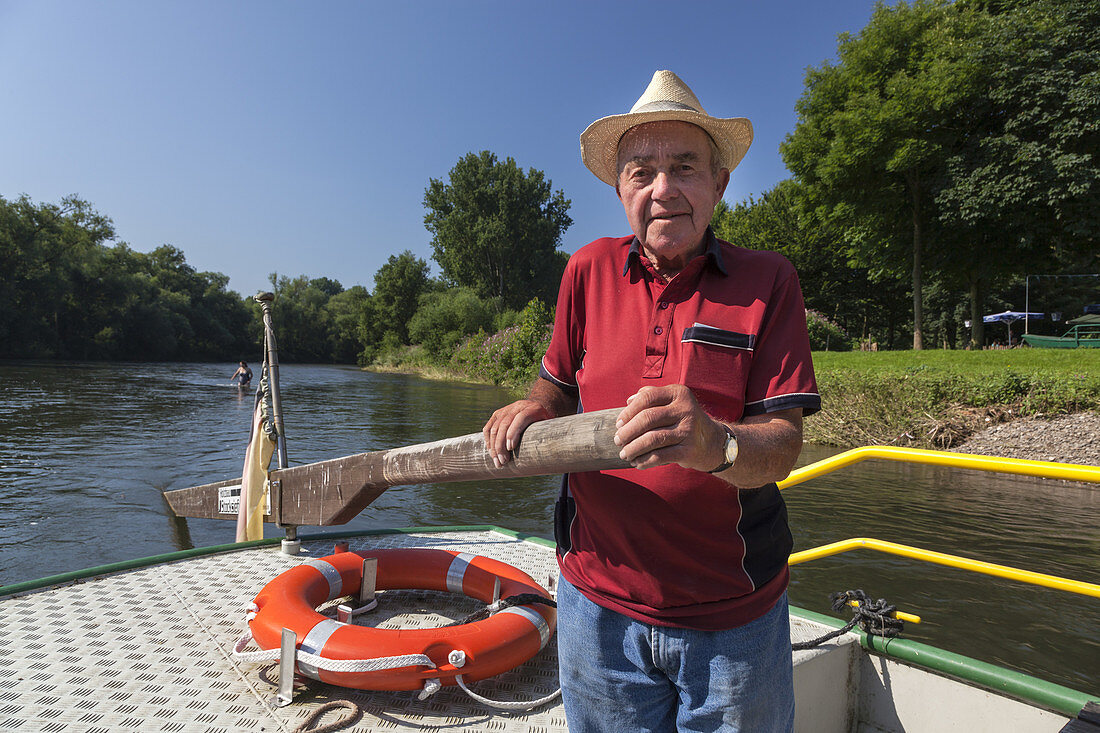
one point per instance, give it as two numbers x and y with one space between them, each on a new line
1064 439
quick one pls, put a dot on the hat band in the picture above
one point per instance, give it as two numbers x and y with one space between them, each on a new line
664 106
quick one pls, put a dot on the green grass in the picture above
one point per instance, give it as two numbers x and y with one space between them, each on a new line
1047 361
936 399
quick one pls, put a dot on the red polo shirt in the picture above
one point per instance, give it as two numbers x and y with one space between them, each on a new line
670 545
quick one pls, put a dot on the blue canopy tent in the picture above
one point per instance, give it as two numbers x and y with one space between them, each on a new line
1010 317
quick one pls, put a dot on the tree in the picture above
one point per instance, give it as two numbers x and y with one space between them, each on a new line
496 229
445 317
398 285
301 320
1022 192
875 130
42 248
347 309
65 293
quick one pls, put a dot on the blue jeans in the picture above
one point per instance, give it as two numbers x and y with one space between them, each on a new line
618 674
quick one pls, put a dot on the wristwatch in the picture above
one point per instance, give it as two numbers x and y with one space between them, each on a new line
729 451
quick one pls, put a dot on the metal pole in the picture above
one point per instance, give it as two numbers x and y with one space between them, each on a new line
290 544
271 356
1027 300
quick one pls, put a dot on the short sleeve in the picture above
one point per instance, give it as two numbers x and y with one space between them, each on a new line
782 373
566 351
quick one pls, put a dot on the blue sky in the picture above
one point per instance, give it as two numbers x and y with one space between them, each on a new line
299 137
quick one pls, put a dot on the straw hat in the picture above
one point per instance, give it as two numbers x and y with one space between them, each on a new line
666 98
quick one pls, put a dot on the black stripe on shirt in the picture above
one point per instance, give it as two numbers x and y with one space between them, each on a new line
808 401
702 334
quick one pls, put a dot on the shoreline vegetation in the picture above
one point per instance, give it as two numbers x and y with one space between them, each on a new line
939 400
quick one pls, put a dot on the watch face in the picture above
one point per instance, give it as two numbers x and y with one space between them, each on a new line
731 448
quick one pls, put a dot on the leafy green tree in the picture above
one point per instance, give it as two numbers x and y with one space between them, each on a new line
347 309
523 355
496 229
876 128
42 247
444 318
301 320
221 319
1022 191
398 285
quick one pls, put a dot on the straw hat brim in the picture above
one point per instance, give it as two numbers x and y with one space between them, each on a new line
600 142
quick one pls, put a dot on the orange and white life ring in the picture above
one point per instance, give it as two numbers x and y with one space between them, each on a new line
407 659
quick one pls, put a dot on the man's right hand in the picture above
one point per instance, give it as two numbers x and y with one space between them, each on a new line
545 400
504 428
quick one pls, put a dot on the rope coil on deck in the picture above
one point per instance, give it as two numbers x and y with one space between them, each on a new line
352 715
520 599
874 617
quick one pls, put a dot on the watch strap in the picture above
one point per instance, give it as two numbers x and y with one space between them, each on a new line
725 452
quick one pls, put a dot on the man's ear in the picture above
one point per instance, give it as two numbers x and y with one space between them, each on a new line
617 192
723 181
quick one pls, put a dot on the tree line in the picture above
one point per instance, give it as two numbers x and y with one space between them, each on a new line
68 292
948 156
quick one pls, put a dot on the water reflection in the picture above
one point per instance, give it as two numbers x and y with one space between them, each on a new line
87 449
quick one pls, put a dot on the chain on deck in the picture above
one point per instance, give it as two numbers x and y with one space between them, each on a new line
151 650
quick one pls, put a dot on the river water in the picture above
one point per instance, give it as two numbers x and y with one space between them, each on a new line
86 450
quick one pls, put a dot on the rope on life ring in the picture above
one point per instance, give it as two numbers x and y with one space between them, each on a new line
403 659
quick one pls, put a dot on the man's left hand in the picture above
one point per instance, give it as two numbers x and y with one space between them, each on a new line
662 425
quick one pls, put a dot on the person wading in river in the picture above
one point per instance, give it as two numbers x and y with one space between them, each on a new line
243 376
672 602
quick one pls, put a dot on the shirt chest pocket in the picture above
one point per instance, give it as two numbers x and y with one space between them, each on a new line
715 363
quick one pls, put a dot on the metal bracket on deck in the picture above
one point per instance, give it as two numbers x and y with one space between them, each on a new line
291 544
367 601
288 659
275 497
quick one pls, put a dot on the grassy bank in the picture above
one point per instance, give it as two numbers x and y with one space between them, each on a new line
936 399
923 399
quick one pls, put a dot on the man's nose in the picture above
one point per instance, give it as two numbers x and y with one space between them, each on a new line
664 187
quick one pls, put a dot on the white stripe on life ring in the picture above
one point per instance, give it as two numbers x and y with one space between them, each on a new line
332 575
457 571
534 617
314 642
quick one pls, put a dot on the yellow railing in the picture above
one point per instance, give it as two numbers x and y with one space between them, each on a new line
1045 469
1042 469
940 558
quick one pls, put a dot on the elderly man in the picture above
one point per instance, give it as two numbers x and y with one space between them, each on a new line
672 603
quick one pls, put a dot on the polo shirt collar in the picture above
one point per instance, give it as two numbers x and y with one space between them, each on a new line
712 251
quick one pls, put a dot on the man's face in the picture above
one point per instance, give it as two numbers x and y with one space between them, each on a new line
667 189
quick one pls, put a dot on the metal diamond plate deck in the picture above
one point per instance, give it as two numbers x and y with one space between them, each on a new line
151 650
